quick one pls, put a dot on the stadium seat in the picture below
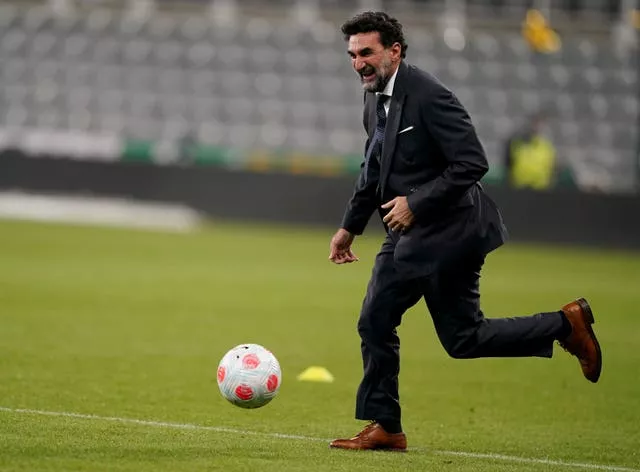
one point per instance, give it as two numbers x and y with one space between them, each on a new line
264 83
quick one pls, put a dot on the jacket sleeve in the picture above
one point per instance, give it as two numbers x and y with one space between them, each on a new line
450 125
364 200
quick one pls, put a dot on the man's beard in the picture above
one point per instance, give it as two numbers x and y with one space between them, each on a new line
382 77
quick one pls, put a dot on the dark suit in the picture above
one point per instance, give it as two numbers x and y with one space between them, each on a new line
437 164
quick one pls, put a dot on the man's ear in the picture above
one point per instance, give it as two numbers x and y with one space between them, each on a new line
397 49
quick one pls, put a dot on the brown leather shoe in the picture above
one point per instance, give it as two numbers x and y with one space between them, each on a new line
373 436
582 341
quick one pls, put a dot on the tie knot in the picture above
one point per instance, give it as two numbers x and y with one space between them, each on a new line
382 99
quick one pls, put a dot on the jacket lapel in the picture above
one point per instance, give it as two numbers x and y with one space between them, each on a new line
371 104
393 124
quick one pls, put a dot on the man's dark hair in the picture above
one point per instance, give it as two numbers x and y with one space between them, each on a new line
389 28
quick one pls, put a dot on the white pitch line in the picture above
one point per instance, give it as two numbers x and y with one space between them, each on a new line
161 424
218 429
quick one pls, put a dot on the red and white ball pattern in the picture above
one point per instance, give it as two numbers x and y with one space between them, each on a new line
249 376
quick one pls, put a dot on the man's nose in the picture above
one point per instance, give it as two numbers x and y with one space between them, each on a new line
359 65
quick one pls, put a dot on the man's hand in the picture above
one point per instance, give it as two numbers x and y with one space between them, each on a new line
400 217
340 247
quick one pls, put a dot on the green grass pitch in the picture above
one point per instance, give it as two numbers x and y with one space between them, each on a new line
130 325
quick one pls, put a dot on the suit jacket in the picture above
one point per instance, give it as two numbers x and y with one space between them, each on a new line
437 163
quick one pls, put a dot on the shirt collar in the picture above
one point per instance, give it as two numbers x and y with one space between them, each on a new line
388 90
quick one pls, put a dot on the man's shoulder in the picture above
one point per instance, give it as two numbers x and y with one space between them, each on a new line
416 73
422 81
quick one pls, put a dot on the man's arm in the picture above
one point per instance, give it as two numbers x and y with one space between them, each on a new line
363 202
450 125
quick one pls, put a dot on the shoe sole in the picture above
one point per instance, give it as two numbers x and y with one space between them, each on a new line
589 320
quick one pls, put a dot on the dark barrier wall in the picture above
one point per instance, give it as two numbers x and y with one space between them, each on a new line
567 217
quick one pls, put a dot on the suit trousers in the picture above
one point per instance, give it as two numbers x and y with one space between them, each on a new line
453 299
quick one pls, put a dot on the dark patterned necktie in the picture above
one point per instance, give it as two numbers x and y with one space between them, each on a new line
375 146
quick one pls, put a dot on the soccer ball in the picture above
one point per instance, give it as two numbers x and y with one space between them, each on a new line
249 376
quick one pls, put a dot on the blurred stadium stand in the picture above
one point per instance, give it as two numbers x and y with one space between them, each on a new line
172 75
